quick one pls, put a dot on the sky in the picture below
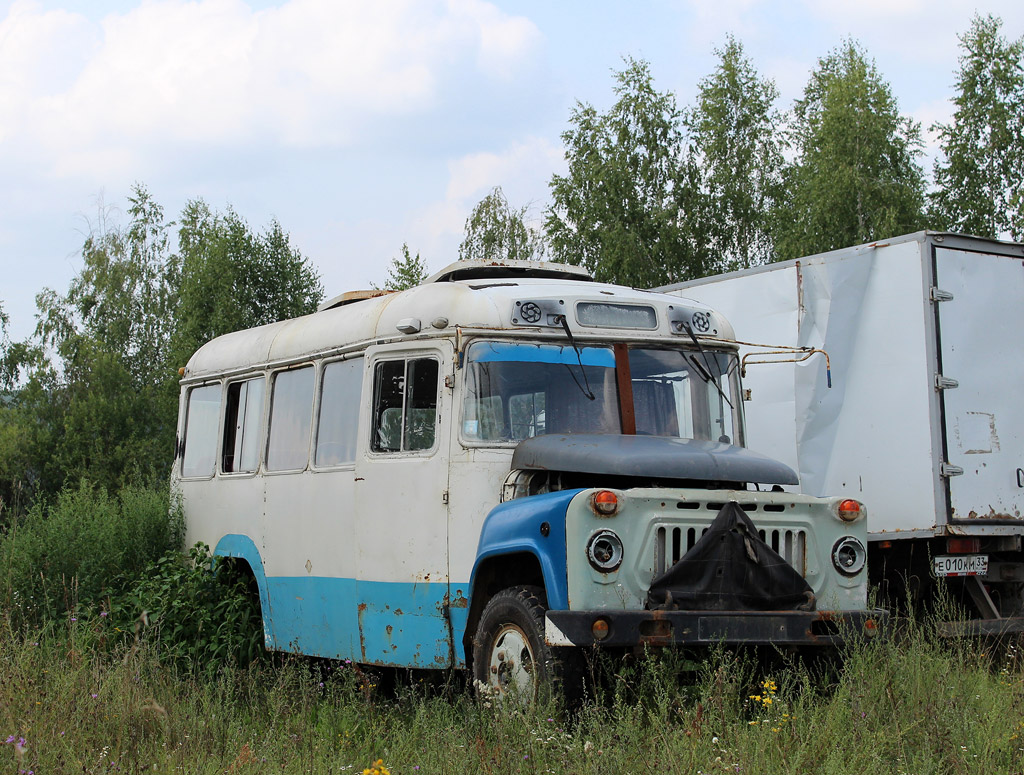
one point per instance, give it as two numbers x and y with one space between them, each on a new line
361 126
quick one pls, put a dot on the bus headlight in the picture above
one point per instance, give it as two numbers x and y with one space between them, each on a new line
604 550
849 556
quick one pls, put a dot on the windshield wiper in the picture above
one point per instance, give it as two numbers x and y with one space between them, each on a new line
579 357
705 369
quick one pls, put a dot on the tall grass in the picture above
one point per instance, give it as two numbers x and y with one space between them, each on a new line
70 556
908 705
82 689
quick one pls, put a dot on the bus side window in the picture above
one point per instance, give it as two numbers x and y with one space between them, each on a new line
339 412
243 417
404 405
291 418
200 456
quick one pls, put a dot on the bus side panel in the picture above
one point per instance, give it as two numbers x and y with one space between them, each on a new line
309 559
394 624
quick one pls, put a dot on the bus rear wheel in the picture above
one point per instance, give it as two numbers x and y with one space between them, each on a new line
510 657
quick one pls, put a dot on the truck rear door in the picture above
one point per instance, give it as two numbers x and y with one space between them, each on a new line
980 341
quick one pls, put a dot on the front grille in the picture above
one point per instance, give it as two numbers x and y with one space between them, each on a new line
672 541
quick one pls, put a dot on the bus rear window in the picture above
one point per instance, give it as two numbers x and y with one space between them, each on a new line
200 454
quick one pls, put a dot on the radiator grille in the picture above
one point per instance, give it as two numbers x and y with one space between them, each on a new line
673 541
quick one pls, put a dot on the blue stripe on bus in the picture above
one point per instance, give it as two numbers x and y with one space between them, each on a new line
485 352
382 623
372 622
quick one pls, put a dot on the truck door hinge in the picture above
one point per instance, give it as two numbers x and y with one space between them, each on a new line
945 383
449 381
948 469
938 294
444 497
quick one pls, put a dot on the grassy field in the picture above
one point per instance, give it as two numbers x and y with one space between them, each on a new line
72 703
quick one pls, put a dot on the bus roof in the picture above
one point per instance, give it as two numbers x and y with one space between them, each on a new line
491 301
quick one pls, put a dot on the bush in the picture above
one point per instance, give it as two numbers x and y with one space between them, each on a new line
202 612
71 557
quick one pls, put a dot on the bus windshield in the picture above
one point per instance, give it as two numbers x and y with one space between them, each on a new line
518 390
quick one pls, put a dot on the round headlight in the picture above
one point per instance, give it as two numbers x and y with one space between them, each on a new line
849 556
604 550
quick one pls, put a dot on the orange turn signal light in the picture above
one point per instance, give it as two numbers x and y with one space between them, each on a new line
606 502
600 629
849 510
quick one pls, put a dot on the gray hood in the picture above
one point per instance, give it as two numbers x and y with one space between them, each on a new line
657 457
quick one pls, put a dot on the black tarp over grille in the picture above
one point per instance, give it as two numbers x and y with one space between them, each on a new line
731 569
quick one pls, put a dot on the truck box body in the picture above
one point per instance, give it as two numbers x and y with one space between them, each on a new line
924 421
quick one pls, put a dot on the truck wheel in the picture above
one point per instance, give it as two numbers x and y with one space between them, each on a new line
510 657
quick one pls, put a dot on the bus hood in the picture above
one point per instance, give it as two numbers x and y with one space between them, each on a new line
658 457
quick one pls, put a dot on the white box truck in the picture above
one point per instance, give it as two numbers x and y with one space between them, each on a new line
921 414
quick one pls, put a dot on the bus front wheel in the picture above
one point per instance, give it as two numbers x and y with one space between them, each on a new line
510 657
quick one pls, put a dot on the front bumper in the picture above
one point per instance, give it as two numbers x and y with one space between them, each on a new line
700 628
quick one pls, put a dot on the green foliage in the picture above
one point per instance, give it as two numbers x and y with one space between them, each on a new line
204 613
978 178
8 375
99 392
734 131
108 403
497 232
85 549
912 706
406 271
232 279
855 177
623 209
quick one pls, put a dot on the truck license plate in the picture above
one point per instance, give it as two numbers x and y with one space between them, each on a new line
962 565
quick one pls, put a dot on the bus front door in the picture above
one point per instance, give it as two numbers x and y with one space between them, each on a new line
401 500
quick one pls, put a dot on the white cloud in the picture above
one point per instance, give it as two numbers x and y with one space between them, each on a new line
501 39
712 19
305 73
522 170
40 53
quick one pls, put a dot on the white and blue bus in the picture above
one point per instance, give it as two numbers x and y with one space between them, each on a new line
499 467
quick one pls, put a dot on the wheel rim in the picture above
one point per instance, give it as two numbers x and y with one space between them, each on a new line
511 666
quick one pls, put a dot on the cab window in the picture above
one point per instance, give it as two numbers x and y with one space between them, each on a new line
404 405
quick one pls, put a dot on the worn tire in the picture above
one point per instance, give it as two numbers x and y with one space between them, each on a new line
511 659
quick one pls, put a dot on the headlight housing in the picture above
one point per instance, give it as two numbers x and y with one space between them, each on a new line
604 550
849 556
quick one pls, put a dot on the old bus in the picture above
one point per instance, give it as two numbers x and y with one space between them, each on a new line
498 467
